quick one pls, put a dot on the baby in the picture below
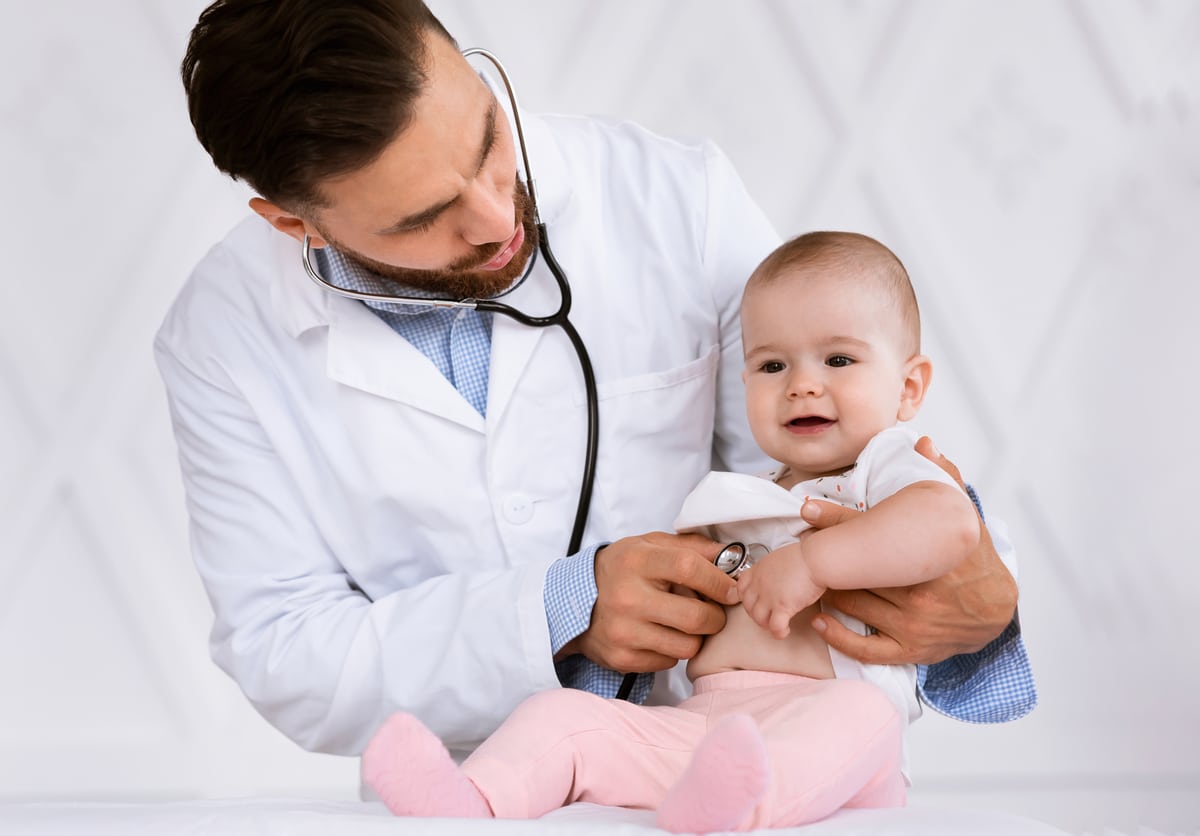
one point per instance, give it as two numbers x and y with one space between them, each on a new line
780 731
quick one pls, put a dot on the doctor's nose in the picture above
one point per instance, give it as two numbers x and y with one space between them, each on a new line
489 216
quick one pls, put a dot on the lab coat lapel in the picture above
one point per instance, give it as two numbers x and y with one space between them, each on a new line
513 344
362 350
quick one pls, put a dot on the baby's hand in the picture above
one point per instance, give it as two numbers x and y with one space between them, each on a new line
776 588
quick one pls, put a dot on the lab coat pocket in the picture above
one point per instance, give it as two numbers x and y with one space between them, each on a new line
655 442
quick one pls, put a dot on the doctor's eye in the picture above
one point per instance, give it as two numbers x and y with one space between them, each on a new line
839 360
417 229
771 367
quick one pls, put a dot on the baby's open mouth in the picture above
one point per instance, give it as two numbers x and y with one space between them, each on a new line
809 421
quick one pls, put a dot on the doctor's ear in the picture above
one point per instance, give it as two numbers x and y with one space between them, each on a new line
286 222
917 374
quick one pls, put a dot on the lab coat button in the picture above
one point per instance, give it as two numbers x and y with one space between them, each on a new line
517 508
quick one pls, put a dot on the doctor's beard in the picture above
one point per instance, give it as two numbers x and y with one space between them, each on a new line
462 279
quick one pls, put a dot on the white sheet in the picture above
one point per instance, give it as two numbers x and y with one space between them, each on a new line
302 817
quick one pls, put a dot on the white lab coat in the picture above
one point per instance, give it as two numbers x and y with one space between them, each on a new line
367 540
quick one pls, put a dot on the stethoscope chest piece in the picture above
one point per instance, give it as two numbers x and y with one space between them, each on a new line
737 557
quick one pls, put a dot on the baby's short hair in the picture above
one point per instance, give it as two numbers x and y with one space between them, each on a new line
852 257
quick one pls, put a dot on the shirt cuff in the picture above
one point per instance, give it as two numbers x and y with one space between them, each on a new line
579 672
994 685
569 595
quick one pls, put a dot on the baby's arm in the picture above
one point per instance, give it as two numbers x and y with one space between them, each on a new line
919 533
916 534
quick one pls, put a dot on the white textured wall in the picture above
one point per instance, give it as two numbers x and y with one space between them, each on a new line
1034 162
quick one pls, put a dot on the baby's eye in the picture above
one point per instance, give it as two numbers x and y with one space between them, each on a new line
839 360
771 367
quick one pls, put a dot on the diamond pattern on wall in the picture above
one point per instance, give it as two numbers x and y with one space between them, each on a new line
114 686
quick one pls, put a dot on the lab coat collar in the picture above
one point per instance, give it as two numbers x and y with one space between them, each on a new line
298 302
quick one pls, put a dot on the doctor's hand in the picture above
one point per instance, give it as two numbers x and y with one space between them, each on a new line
640 623
960 612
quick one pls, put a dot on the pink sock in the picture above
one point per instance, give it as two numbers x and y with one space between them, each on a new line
725 780
414 775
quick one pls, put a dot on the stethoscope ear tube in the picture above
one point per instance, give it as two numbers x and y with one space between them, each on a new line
516 114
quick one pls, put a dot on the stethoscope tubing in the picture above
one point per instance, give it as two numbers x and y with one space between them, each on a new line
591 396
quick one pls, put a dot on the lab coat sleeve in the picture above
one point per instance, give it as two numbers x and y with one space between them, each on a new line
737 237
314 655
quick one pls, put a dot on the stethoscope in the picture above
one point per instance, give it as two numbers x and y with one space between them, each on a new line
558 318
737 557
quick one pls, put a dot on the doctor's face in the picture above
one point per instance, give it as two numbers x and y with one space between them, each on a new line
441 207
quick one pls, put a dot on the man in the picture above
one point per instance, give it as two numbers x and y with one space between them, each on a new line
381 496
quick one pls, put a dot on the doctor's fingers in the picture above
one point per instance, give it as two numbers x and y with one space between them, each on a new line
685 614
636 646
664 559
631 610
657 648
821 514
875 649
682 566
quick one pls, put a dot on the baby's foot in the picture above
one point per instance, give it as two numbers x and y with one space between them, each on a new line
414 775
724 782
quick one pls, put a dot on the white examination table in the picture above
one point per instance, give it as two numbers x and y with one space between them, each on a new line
301 817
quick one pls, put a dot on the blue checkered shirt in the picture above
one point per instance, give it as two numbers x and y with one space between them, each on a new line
991 686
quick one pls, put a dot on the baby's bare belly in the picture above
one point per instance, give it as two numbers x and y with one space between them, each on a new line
744 646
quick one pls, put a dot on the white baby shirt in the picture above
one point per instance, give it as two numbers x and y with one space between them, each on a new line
753 509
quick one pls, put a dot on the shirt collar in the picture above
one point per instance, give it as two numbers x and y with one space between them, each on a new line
349 275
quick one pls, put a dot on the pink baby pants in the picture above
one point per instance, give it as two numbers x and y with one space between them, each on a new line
831 743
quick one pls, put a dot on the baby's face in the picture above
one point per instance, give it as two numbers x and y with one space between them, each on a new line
824 370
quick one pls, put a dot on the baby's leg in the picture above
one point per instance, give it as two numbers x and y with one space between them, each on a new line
836 744
566 745
726 779
414 775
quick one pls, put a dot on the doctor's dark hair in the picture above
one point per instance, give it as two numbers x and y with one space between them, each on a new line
850 257
285 94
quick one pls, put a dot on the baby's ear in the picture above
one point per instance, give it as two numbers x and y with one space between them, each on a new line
917 373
